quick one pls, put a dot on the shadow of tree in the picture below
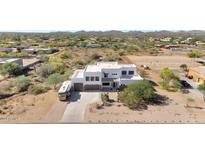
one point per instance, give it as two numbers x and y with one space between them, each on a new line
3 96
160 100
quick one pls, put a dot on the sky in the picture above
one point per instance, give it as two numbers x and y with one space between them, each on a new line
74 15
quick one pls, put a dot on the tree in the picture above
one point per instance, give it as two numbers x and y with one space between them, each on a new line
57 64
21 83
44 71
169 78
183 67
54 79
194 54
141 92
11 69
65 54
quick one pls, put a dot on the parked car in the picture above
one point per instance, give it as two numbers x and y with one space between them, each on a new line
185 84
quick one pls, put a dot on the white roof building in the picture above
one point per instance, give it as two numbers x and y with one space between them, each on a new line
105 75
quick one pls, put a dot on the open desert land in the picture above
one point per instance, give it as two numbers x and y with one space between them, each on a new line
176 107
25 108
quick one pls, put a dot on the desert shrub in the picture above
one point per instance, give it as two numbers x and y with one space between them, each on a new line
21 83
3 55
65 54
11 69
201 87
57 64
176 85
190 100
183 67
44 71
95 56
54 79
113 57
137 94
36 90
132 48
104 97
194 54
44 58
169 79
17 54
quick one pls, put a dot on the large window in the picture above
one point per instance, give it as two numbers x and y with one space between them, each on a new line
92 78
106 75
96 78
131 72
124 72
106 84
87 78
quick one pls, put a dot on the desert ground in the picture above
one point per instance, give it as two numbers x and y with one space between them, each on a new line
176 108
25 108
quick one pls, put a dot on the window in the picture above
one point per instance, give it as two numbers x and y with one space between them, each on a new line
96 78
106 75
87 78
92 78
114 73
106 84
131 72
124 72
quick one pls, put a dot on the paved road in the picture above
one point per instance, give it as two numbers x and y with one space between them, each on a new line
75 110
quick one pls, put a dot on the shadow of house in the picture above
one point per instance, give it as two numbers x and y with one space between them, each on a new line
74 97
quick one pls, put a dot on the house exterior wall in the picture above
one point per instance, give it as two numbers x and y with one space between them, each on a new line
196 77
92 74
105 76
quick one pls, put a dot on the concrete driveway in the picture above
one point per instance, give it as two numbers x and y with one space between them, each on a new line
75 110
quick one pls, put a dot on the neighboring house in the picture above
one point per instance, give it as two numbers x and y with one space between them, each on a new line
197 74
104 75
40 50
93 46
11 60
6 50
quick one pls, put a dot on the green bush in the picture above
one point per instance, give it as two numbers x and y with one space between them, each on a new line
21 83
104 97
65 54
36 90
136 94
184 67
17 54
170 81
201 87
11 69
54 79
194 54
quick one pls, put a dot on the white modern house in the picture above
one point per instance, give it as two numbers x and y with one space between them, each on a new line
104 75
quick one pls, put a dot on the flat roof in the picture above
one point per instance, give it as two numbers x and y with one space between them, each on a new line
65 86
93 68
107 65
78 73
8 60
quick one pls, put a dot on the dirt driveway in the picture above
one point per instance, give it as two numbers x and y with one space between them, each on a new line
75 110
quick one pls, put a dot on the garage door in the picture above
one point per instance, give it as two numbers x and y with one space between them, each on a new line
92 87
78 86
